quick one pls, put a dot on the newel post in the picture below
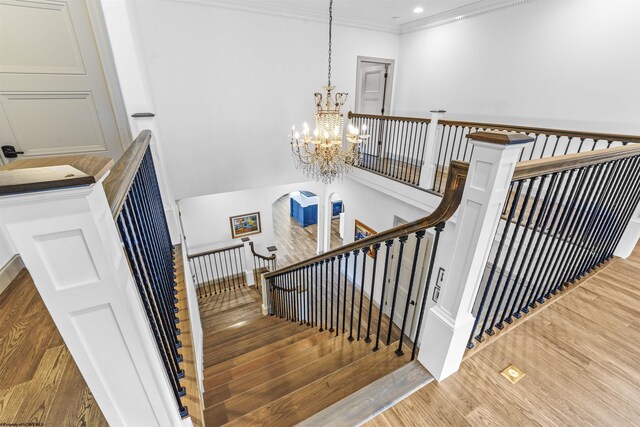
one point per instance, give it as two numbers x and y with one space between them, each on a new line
430 166
448 324
60 222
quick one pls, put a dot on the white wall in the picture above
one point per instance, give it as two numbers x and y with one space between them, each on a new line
555 63
205 219
228 85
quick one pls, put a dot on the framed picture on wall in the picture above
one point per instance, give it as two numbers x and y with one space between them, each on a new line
362 231
244 225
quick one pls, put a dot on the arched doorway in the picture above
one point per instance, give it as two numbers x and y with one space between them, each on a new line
295 226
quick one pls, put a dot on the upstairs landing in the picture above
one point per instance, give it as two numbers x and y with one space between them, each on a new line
579 354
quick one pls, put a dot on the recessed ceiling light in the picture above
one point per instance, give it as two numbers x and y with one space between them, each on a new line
418 10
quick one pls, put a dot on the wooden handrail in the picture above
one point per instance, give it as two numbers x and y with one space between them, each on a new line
544 131
451 199
50 173
391 118
548 165
266 258
215 251
119 181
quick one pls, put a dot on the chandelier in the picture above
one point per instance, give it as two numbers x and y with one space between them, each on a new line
321 154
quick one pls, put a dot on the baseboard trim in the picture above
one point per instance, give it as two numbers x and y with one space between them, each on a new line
10 271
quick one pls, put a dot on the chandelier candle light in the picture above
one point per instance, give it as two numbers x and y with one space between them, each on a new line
321 154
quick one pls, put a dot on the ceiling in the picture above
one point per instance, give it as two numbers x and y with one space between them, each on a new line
388 15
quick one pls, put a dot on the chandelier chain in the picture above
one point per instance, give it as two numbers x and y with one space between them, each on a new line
330 25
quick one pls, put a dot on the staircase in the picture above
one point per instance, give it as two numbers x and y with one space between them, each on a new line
269 371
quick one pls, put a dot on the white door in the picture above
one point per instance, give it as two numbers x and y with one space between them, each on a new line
53 92
373 87
405 265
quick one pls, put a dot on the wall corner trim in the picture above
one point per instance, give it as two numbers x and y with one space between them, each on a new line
10 271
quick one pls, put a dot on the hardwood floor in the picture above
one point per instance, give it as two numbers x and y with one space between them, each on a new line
264 370
294 242
580 357
39 381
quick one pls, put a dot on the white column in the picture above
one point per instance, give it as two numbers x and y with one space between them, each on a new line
326 224
321 244
266 302
69 243
431 151
630 237
448 324
249 265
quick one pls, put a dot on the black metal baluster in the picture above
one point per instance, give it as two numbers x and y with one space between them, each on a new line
307 285
561 226
560 193
365 251
346 283
326 293
627 209
338 295
332 291
425 295
435 176
353 292
419 235
487 289
422 147
388 245
320 298
402 240
531 214
376 248
523 271
612 191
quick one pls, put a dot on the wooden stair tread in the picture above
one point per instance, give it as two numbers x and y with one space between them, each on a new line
241 327
213 358
213 311
260 375
263 351
373 399
300 404
232 316
252 330
215 346
253 399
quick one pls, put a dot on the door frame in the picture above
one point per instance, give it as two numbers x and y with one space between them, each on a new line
390 79
103 46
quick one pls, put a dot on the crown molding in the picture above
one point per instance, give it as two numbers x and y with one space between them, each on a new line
473 10
478 8
268 8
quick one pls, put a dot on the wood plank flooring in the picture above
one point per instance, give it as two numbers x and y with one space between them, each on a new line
39 381
580 357
294 242
264 370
